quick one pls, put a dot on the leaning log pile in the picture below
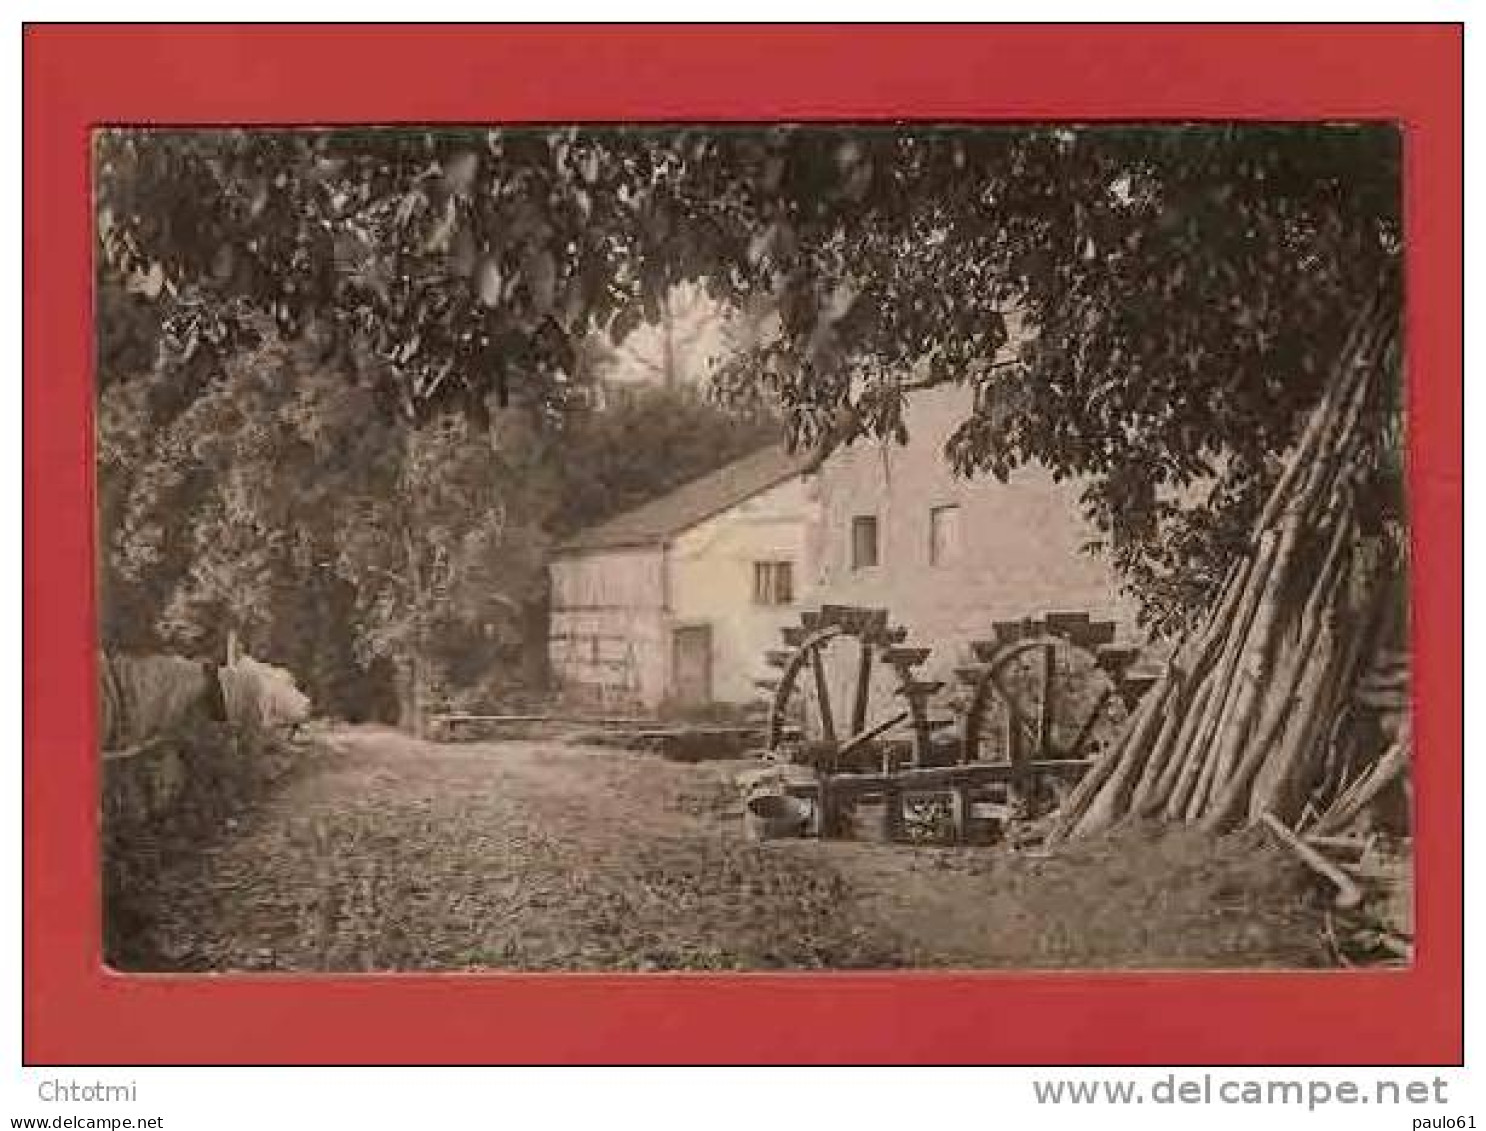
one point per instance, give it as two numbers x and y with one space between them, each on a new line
1290 699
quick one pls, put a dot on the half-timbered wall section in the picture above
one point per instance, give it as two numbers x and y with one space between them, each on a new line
672 603
607 638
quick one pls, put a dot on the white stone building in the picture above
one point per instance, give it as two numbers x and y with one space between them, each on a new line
677 601
672 603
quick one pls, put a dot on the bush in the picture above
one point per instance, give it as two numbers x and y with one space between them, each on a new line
174 796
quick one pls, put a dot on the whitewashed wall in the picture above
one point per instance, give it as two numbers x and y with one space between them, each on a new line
711 575
1020 542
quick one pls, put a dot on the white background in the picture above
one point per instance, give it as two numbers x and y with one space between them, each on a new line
748 1099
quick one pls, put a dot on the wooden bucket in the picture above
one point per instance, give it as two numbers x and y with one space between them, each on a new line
772 816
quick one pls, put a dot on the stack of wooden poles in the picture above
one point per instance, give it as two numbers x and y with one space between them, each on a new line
1240 723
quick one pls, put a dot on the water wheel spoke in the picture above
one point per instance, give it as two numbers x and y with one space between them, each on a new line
823 694
862 737
1089 723
1045 700
1016 733
863 689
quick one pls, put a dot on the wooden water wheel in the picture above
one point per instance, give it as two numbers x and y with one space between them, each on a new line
1046 689
847 693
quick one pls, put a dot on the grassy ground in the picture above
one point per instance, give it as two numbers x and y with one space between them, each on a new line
406 855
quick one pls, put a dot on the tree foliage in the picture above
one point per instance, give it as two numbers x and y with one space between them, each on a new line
645 441
280 496
376 559
1146 307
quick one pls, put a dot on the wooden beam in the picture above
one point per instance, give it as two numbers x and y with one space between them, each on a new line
1068 625
1348 894
947 777
919 687
901 654
1008 631
587 720
961 812
892 816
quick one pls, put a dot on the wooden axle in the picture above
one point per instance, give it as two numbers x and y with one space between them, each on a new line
926 778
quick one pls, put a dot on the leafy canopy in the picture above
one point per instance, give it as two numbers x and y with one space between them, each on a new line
1143 306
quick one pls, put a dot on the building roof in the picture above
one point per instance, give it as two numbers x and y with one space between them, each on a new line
658 521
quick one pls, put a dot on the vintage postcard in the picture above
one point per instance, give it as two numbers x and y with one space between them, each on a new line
743 545
704 547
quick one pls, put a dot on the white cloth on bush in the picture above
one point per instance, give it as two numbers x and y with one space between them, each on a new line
262 694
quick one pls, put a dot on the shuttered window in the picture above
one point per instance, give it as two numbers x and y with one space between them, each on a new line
773 583
944 535
864 541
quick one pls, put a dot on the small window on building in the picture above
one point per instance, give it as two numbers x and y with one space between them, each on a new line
944 535
864 541
773 583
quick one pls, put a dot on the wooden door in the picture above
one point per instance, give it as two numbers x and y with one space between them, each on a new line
691 665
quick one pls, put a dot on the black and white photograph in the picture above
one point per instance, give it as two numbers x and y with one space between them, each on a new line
744 547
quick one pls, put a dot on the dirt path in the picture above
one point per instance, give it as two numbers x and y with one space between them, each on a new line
397 854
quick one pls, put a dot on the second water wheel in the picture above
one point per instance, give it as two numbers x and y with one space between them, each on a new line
1046 689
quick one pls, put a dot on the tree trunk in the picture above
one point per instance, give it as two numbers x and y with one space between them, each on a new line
414 720
410 696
